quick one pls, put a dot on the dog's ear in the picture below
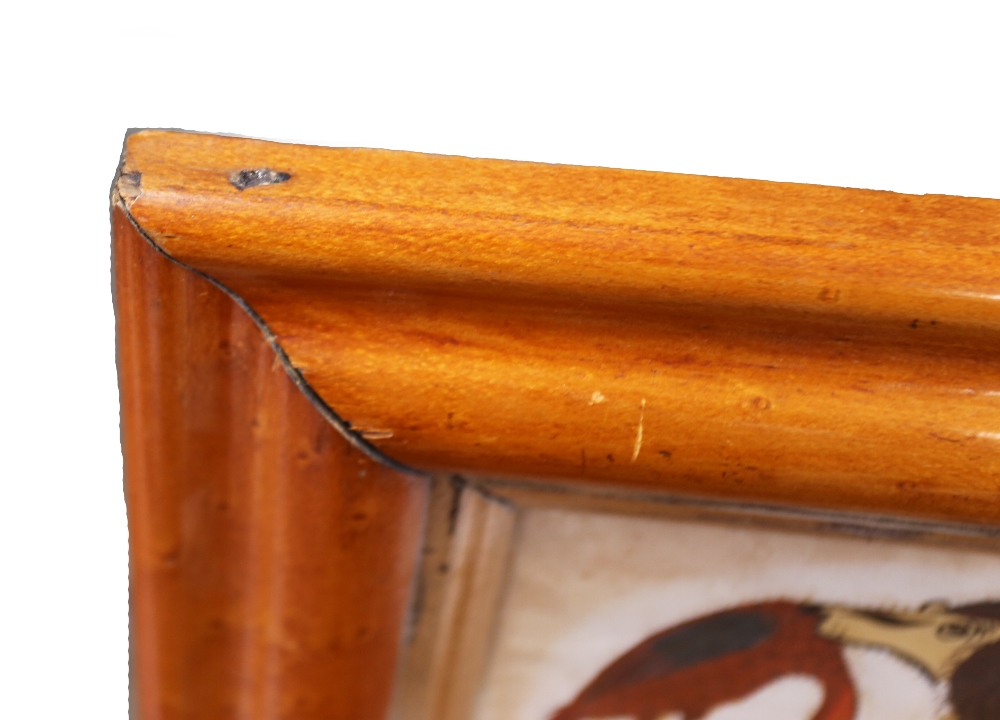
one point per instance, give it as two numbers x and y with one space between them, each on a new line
989 610
975 686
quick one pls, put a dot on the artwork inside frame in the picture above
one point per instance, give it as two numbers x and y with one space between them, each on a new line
605 614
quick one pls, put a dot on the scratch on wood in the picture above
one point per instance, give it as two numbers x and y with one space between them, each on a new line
638 435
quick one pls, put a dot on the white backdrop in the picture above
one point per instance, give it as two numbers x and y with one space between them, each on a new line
899 96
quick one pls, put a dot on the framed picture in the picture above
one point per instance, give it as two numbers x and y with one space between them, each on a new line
436 438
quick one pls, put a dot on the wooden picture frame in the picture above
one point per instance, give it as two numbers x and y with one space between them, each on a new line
346 375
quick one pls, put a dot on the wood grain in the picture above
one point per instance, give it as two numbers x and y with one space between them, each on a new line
271 562
737 339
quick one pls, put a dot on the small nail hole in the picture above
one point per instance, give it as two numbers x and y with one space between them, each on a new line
243 179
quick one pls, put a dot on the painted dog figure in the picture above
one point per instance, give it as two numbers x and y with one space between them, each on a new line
693 667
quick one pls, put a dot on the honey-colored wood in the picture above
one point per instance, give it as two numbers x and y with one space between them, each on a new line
738 339
271 562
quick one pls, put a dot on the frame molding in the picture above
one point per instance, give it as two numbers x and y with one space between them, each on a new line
314 341
268 555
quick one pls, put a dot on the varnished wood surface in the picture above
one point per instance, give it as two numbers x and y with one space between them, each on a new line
271 562
747 340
